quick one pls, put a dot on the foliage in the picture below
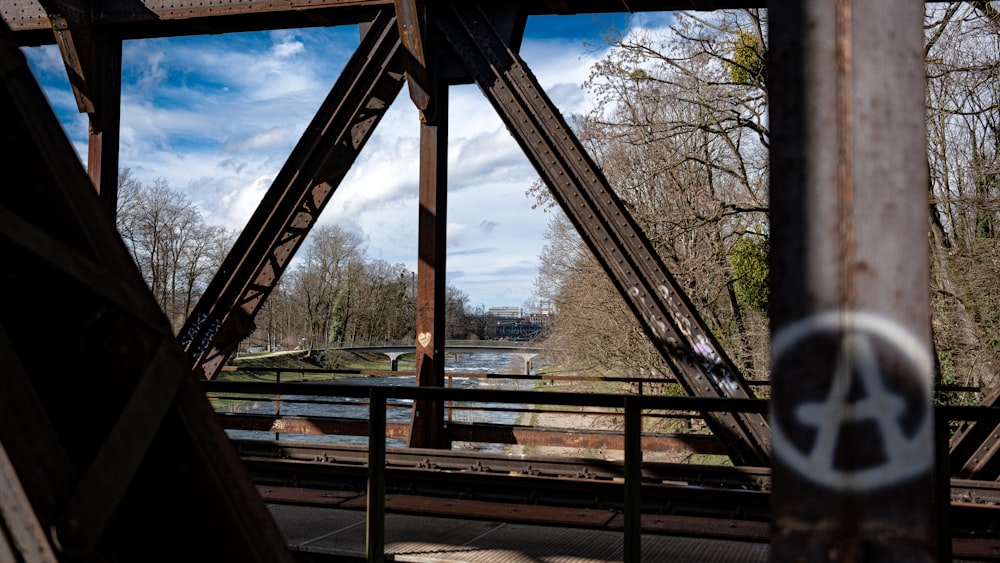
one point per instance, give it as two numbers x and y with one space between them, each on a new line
748 64
674 131
751 275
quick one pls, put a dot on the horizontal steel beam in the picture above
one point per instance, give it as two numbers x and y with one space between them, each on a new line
138 19
480 432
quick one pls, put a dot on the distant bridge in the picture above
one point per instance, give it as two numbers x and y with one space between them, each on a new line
395 351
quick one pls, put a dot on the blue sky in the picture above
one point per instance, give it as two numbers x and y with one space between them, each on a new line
217 116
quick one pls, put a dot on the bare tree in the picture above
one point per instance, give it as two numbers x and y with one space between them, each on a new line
680 132
384 308
175 250
963 66
325 281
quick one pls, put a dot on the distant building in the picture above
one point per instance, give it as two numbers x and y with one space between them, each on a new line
521 328
506 312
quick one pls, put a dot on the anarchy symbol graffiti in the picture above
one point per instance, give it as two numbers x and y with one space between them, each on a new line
875 395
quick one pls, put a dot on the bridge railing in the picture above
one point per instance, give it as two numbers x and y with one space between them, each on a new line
412 343
631 408
461 428
462 424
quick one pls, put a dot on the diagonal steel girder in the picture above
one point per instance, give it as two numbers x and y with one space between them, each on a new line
620 246
91 454
975 445
367 86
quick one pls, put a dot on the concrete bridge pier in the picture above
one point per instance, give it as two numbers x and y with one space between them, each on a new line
394 359
527 362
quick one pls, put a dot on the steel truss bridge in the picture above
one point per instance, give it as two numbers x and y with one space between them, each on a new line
116 449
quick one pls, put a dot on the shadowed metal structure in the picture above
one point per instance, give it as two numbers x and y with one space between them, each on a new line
91 493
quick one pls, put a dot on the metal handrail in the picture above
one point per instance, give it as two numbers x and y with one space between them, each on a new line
378 396
631 405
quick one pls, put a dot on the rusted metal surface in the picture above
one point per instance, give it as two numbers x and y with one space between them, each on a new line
308 425
725 477
983 462
105 120
71 27
605 224
150 437
689 444
852 369
412 21
93 62
464 509
471 484
974 444
722 513
22 537
592 440
136 19
849 333
369 83
428 416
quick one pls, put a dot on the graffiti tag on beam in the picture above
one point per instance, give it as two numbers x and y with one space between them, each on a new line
862 416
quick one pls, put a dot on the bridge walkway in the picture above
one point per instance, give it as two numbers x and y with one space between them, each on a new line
324 534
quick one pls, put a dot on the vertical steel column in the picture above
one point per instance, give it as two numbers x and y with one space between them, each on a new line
633 480
851 420
105 120
375 513
607 227
93 60
427 430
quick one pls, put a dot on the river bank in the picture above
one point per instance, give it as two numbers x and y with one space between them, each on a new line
585 418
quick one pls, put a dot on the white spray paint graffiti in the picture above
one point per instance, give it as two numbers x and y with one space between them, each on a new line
702 353
188 337
906 454
712 365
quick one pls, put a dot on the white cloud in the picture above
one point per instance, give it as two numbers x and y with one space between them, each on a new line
270 139
47 61
286 49
237 206
217 117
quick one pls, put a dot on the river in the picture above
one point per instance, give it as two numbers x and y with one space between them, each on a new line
399 410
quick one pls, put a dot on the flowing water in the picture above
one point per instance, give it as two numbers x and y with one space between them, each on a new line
399 410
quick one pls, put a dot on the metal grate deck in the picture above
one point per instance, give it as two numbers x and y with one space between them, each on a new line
422 539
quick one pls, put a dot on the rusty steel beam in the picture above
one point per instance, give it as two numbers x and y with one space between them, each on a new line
664 311
93 61
137 19
563 438
427 418
308 425
22 537
428 415
463 432
411 16
851 354
974 445
369 83
151 438
71 27
105 121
